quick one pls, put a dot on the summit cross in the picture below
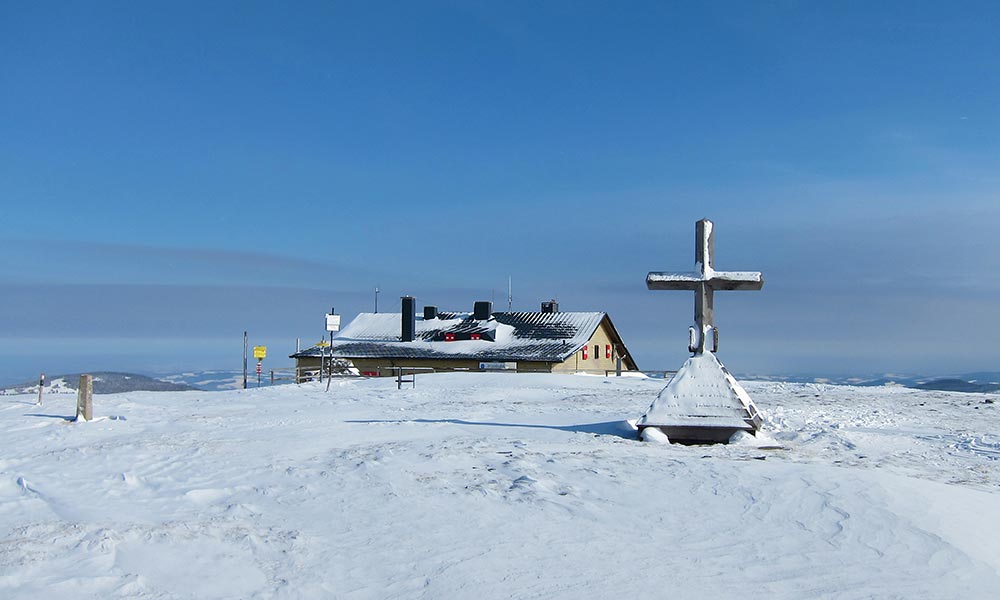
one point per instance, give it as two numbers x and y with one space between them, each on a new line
704 280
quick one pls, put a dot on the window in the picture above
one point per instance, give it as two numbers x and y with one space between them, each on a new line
597 352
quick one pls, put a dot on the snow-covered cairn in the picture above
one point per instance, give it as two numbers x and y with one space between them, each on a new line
703 403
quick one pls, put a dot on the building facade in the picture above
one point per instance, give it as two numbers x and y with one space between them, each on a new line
547 341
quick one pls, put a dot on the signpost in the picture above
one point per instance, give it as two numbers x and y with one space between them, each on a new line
260 353
498 366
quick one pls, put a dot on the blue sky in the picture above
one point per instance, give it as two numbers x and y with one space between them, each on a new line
174 173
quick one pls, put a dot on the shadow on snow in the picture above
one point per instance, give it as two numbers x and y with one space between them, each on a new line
617 428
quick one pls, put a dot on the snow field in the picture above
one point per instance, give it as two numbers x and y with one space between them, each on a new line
496 486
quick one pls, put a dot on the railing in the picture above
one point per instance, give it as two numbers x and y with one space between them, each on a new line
392 370
408 375
303 374
283 375
652 374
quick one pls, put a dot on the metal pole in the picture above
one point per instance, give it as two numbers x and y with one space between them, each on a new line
329 376
376 298
244 360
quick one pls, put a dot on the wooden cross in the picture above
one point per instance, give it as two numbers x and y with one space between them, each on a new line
704 281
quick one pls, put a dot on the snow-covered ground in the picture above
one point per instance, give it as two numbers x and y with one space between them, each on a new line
497 486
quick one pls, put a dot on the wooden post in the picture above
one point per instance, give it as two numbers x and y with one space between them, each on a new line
85 398
41 384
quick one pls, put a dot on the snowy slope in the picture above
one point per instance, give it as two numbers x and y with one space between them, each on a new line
217 380
496 486
105 382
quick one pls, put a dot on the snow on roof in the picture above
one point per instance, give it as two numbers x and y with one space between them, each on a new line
506 336
701 394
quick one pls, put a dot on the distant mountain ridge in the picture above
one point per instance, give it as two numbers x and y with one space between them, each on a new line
978 382
112 382
215 380
105 382
958 385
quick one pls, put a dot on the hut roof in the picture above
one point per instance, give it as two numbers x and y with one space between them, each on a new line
505 336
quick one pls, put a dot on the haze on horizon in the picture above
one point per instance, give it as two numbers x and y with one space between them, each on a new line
173 174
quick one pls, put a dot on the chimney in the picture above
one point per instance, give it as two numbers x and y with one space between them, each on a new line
482 310
430 312
550 307
409 320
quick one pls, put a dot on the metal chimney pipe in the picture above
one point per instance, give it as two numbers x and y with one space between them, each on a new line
481 311
408 328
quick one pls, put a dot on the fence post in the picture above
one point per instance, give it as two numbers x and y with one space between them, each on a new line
85 398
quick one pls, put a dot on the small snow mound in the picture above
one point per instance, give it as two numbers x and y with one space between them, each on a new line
653 434
742 438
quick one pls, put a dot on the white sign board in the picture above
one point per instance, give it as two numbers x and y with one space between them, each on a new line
498 366
333 322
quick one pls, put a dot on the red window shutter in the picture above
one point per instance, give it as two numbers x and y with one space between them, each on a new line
474 336
607 351
449 337
585 352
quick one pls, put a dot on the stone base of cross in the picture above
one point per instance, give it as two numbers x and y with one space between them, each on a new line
703 403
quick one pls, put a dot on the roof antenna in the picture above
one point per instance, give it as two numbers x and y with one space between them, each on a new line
510 295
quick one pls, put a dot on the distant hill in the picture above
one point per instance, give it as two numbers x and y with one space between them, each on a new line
105 382
219 380
957 385
980 382
863 381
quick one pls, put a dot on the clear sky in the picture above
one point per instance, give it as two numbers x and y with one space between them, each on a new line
173 173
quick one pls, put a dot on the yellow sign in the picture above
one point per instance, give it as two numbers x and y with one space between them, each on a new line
260 352
323 343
